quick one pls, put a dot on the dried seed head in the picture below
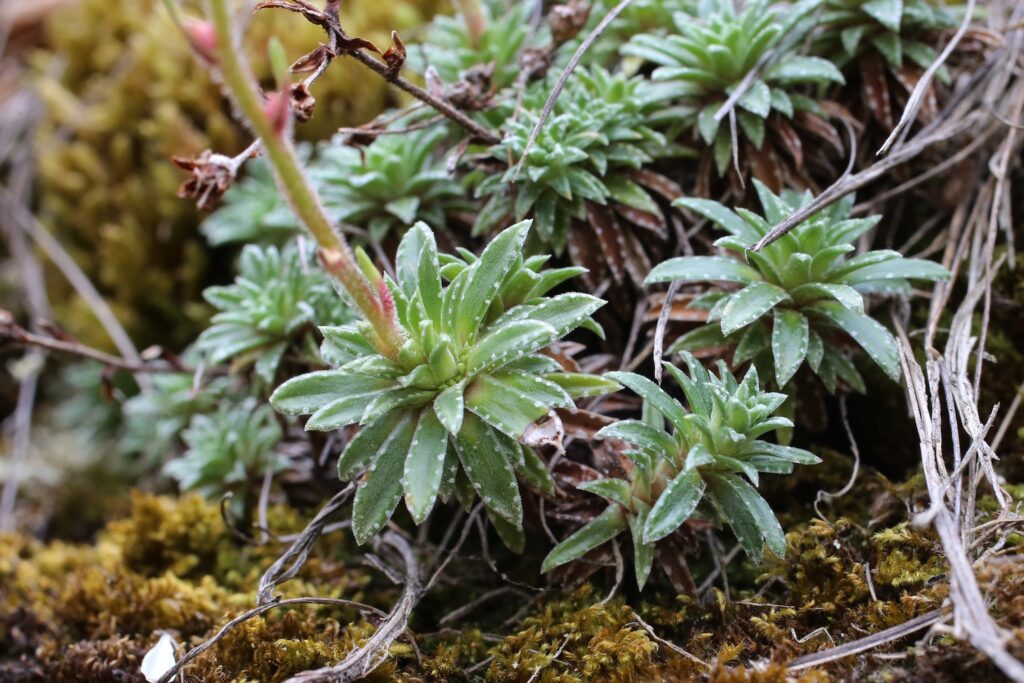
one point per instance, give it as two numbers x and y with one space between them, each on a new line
302 102
567 20
212 175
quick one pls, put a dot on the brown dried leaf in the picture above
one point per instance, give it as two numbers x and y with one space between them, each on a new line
584 251
679 310
765 166
609 238
908 77
637 263
313 60
211 176
311 12
654 222
789 140
820 128
395 55
875 88
567 20
302 101
668 189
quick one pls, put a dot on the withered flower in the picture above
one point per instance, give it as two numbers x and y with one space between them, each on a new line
566 21
212 175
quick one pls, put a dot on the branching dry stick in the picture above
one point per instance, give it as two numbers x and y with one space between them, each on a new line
364 659
971 617
18 335
255 612
290 563
852 183
343 44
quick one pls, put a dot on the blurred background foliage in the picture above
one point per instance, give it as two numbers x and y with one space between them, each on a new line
119 99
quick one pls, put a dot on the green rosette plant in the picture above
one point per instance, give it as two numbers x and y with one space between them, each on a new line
448 415
583 171
712 54
278 295
153 419
389 184
896 29
706 463
801 298
232 446
453 46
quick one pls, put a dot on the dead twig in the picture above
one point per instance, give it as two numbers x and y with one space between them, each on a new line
255 612
867 643
364 659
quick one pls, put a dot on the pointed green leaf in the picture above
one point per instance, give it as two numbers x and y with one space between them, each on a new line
886 12
502 406
615 490
871 335
512 535
377 497
898 269
308 393
655 395
790 335
424 465
675 505
508 342
449 406
486 277
579 385
360 452
597 531
702 269
749 304
643 553
719 215
489 468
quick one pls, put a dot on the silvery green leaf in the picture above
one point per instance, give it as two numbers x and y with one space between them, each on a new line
702 269
790 335
450 406
424 465
489 469
674 506
887 12
615 490
655 395
502 406
749 304
597 531
378 495
871 335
